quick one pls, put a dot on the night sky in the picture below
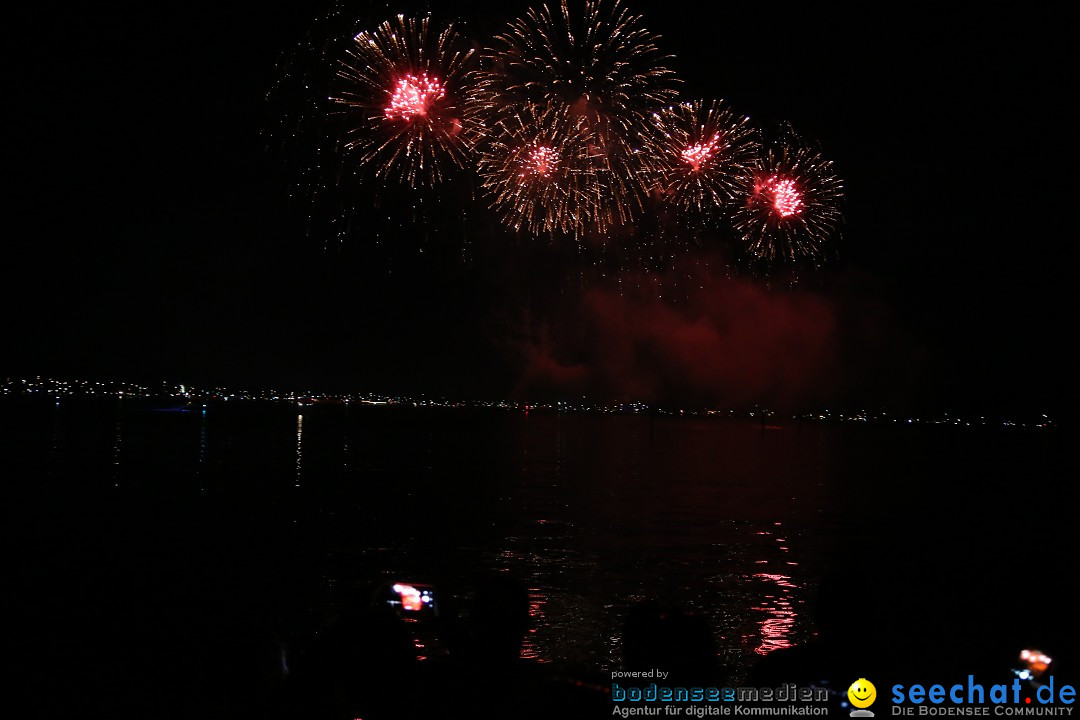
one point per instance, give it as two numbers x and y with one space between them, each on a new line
150 234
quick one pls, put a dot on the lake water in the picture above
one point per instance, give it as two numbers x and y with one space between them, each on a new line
135 525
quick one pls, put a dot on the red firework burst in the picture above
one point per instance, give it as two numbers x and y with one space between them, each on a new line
702 153
403 87
413 95
542 161
590 64
536 171
792 208
782 193
698 153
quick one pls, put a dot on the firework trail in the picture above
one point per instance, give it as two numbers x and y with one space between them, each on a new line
571 121
793 203
403 88
537 170
704 154
598 71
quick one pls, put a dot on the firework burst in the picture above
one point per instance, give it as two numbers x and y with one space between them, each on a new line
536 170
704 154
792 208
571 120
403 90
597 71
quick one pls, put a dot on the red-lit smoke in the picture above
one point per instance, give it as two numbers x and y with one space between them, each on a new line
732 341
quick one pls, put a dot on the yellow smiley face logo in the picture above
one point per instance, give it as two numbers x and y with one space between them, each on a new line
862 693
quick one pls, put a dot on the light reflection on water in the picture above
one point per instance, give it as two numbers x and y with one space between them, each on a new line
779 623
201 463
780 616
299 447
529 649
592 514
118 444
56 444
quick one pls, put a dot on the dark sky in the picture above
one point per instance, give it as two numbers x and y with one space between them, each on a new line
150 234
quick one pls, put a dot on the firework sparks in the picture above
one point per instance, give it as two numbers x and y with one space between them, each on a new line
403 87
536 171
703 153
786 198
694 155
597 71
542 160
793 205
413 96
571 120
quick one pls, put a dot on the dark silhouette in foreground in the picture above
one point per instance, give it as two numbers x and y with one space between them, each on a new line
680 643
